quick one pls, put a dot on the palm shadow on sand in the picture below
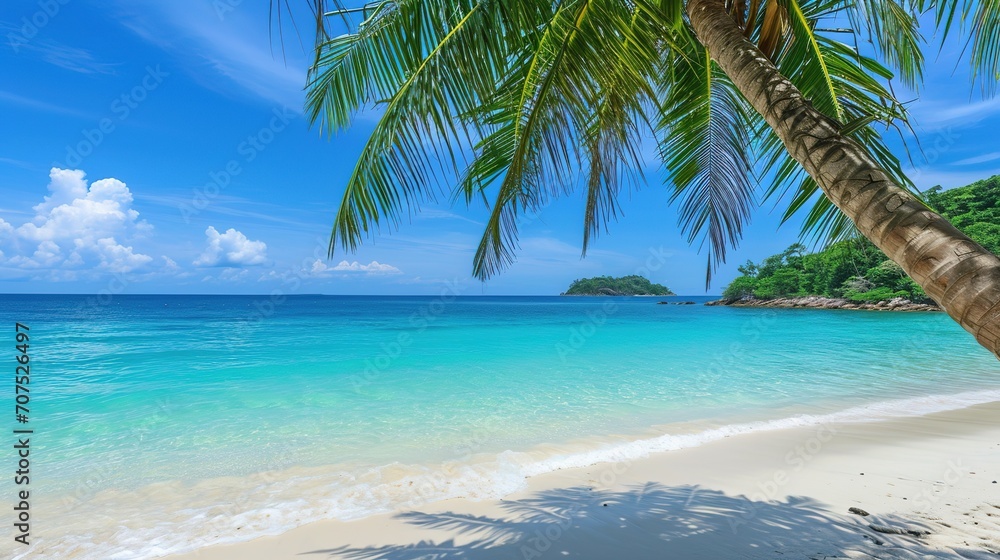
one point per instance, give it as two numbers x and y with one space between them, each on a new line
652 521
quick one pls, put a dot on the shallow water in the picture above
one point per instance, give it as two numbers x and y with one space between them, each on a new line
164 423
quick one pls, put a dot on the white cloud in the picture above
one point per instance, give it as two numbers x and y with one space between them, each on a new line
373 267
38 105
74 211
925 179
318 268
978 159
231 249
439 214
233 274
538 250
118 258
66 185
77 227
47 255
226 42
941 113
67 57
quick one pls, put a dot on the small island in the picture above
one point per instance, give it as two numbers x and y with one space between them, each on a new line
633 285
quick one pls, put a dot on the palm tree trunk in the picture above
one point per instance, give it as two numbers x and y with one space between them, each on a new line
958 273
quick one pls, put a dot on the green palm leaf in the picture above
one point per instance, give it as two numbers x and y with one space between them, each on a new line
578 108
514 102
705 131
893 28
849 88
982 19
403 57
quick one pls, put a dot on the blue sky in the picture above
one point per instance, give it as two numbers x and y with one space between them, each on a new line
159 147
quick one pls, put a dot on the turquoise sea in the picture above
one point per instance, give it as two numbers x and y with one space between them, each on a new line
166 423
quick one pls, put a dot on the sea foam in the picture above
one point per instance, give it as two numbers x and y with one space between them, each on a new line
164 519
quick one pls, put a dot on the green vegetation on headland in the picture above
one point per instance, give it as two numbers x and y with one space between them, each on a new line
974 209
855 269
633 285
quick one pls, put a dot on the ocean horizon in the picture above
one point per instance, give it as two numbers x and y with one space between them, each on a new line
230 417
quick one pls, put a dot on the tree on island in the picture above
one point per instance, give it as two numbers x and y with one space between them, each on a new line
974 209
855 269
852 269
633 285
515 99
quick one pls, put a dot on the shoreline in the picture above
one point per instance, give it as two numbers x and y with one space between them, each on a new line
615 295
752 496
820 302
435 425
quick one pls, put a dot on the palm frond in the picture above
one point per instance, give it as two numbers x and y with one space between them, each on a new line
804 53
582 88
515 102
528 94
615 133
356 69
404 57
893 28
535 126
705 133
979 21
847 87
773 28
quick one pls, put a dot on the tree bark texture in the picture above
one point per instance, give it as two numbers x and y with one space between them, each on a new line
958 273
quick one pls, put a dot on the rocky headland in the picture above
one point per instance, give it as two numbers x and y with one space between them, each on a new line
818 302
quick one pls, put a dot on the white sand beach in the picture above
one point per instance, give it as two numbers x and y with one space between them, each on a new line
930 485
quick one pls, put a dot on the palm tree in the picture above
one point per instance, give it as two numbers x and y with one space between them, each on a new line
513 102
